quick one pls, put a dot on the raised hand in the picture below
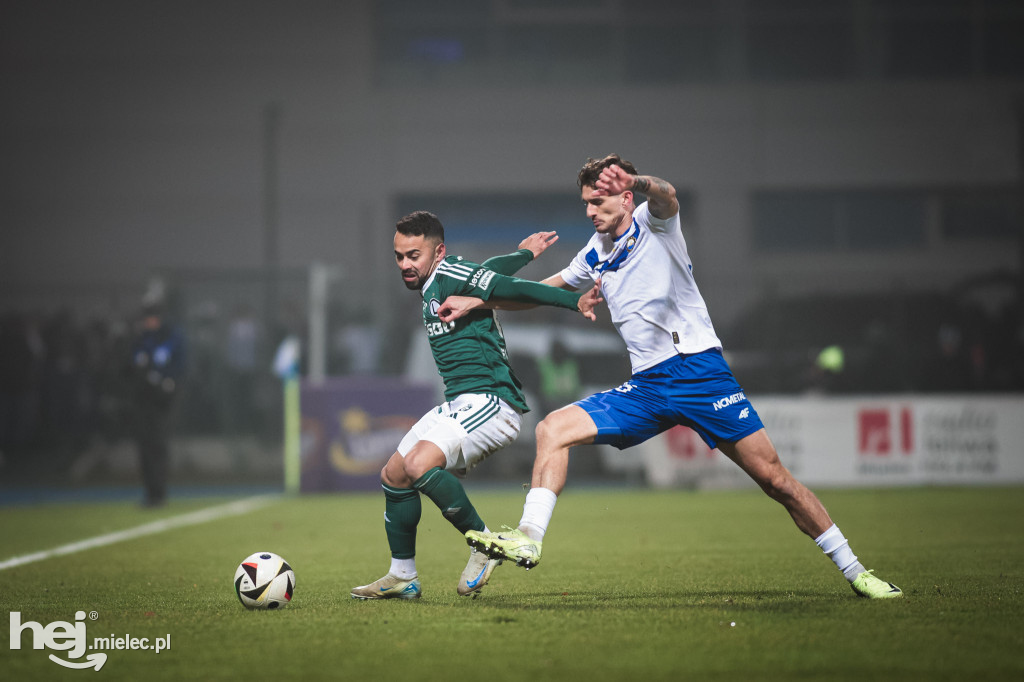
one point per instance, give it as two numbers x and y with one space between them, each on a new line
613 180
538 242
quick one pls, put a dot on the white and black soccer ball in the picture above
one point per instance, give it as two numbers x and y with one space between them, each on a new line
264 581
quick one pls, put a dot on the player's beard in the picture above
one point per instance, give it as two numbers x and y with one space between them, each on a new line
614 224
415 284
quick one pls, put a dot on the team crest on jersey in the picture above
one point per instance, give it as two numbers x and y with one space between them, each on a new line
630 243
434 306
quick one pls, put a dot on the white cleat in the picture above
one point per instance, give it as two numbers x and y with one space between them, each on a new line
476 574
389 587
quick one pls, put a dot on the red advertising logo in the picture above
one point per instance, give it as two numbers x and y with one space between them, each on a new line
879 433
684 443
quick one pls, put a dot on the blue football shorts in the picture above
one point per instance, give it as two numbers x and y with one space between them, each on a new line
698 391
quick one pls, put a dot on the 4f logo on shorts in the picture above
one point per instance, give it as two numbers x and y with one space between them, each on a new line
744 413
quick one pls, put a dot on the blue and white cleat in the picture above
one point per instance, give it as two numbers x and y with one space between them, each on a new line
389 587
476 574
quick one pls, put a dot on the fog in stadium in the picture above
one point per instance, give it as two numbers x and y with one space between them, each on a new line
850 178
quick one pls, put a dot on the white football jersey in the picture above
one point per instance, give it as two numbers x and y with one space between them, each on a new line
647 281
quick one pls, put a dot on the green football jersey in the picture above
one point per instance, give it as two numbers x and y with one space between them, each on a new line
469 352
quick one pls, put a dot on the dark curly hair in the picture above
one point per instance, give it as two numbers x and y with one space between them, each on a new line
421 224
591 170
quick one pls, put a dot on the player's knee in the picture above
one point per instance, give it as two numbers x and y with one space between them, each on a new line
417 463
394 473
778 484
547 431
564 428
385 475
414 472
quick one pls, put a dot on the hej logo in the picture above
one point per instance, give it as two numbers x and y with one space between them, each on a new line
71 637
59 636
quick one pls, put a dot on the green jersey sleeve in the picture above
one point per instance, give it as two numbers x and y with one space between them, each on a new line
465 278
510 263
525 291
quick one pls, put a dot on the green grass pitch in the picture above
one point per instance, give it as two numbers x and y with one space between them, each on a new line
634 585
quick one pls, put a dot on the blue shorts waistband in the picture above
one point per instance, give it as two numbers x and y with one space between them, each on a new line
678 357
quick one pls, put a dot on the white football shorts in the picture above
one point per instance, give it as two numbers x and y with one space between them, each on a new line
467 430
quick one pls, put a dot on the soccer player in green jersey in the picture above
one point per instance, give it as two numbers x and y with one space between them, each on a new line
483 398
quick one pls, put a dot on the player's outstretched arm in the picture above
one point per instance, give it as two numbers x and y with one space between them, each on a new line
518 294
529 249
455 307
661 195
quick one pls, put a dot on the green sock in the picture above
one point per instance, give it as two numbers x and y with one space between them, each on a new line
450 497
401 516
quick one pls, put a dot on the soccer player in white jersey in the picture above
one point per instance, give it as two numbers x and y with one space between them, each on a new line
638 256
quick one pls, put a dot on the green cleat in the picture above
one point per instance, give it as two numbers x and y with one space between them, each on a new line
511 543
389 587
476 574
867 585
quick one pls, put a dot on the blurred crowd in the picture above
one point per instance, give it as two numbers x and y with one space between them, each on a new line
65 380
69 384
62 383
894 342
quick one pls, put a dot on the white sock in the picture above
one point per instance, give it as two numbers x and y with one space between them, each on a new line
540 505
835 545
403 568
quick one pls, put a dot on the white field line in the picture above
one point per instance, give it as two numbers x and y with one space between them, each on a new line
190 519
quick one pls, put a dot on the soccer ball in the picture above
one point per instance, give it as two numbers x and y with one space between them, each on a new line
264 581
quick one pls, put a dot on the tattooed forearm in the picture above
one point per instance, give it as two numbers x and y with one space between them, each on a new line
642 184
663 186
660 194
